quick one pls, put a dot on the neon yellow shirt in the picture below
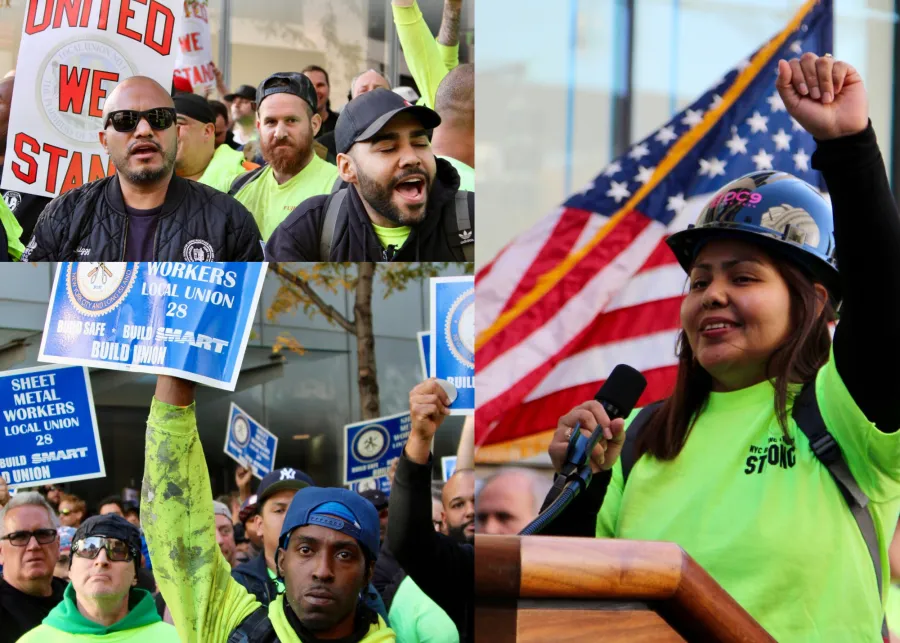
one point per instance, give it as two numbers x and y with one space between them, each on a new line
392 236
428 60
279 586
271 203
892 609
765 519
206 603
466 173
13 231
224 167
417 619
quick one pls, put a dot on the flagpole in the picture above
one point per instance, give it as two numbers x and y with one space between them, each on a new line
570 96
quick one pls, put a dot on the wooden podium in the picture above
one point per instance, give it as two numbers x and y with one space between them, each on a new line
543 588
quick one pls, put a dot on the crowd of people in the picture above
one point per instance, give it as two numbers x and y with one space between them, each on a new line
289 558
272 171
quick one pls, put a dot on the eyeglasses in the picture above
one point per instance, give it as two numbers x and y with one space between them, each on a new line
116 550
126 120
22 538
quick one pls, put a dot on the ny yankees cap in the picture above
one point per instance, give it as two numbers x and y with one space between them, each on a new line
338 509
367 114
279 480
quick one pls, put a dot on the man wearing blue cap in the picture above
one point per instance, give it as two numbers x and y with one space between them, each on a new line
327 548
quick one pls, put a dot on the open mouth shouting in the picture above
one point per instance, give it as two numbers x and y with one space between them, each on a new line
144 151
412 190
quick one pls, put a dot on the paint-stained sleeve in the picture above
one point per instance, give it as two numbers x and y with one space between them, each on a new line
178 520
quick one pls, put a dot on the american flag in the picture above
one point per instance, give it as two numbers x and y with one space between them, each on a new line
594 284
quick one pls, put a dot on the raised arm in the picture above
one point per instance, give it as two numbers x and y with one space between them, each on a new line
420 49
448 35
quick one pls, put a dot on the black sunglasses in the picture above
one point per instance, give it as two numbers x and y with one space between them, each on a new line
116 550
126 120
22 538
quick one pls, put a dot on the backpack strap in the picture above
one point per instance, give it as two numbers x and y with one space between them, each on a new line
627 456
256 628
808 416
329 226
243 179
459 228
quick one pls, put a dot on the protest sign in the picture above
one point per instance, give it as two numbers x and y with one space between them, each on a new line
73 54
453 338
382 483
424 343
190 320
448 466
248 443
370 446
49 427
193 57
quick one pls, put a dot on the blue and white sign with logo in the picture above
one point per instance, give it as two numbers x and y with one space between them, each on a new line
48 427
190 320
382 483
448 466
424 342
453 338
248 443
370 446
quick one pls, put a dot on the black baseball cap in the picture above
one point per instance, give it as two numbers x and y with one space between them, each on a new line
194 106
288 82
244 91
367 114
279 480
376 497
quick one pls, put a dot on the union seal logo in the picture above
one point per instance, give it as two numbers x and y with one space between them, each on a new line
371 443
12 199
198 250
75 65
240 431
95 288
459 331
368 484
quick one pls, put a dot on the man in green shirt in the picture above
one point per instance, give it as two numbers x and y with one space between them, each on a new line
287 122
198 158
329 544
454 140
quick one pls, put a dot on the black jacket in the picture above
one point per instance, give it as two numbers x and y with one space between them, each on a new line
197 223
254 576
442 568
20 612
297 238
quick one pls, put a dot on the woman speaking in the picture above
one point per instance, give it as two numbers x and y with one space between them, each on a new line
721 467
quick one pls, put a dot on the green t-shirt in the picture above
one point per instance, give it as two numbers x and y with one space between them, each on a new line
392 236
893 608
13 231
415 618
226 165
466 173
765 519
271 203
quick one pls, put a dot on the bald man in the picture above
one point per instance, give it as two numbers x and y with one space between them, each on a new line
361 83
509 500
144 212
454 139
458 499
25 207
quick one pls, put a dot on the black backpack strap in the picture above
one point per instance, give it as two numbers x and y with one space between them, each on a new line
808 416
256 628
244 179
329 226
459 229
627 456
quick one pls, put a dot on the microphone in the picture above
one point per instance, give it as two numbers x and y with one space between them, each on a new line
618 395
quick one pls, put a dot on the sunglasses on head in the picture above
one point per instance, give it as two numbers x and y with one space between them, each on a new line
126 120
22 538
116 550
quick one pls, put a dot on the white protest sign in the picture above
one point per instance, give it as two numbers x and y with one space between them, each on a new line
73 54
193 58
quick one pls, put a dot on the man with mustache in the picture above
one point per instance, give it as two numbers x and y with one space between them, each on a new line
144 212
102 602
402 203
287 122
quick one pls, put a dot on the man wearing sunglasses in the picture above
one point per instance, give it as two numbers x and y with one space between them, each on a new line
144 212
29 549
102 601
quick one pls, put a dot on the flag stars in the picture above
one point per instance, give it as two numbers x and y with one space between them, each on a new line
795 125
644 174
782 141
612 169
692 117
797 47
676 203
736 144
717 100
801 160
618 191
775 103
763 160
712 167
666 135
587 188
639 151
758 123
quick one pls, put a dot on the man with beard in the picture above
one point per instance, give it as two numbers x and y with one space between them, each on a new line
143 212
287 122
25 207
442 566
402 204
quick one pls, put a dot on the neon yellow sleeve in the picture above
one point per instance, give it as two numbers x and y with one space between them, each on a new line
423 55
13 231
450 55
177 517
608 517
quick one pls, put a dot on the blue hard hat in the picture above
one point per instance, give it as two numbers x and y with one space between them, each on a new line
784 215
